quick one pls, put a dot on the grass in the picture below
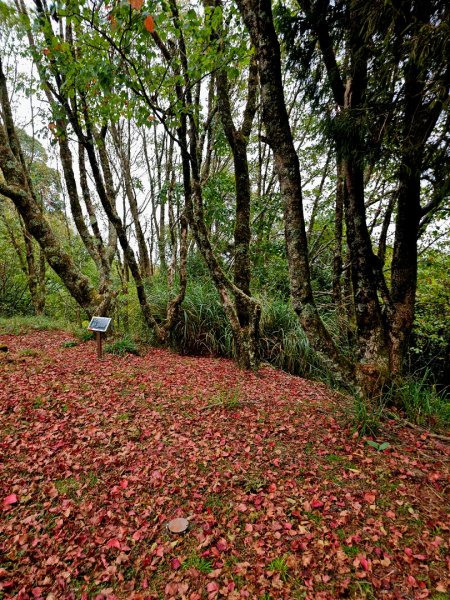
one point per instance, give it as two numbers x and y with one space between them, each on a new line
229 399
22 324
279 565
122 346
67 487
422 402
29 352
351 551
69 344
366 415
198 562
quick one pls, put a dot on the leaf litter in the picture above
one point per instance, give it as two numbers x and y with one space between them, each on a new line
283 500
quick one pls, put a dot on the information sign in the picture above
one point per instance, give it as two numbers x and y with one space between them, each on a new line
99 324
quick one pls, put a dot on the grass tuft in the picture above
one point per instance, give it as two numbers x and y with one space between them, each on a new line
122 346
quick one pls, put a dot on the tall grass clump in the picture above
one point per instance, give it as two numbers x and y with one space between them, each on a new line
202 328
284 343
122 346
422 403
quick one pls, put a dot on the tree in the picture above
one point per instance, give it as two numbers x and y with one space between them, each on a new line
15 184
414 94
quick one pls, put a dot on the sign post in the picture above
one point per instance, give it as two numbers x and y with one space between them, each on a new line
100 326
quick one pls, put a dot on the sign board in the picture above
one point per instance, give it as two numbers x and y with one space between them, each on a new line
100 324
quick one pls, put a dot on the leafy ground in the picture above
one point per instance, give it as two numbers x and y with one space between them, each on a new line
283 500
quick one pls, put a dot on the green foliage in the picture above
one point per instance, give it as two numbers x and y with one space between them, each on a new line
366 416
203 329
284 343
280 565
70 344
430 348
229 399
22 324
122 346
378 446
203 565
84 335
422 402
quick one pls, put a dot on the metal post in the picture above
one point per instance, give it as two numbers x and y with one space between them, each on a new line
99 335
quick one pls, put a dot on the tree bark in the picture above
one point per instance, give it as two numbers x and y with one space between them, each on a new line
257 15
238 141
144 260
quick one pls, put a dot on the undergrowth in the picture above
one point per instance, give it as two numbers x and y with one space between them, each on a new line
203 329
122 346
415 398
421 402
22 324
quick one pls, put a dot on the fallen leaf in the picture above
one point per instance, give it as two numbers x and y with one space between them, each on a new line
9 500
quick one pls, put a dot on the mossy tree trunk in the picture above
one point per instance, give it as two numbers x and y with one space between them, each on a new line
257 15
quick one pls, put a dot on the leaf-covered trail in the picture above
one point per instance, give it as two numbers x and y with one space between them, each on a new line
283 501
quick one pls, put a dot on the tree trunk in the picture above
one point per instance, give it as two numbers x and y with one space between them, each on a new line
34 274
257 15
238 141
144 260
245 338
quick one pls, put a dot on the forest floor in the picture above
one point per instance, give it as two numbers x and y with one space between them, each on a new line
283 499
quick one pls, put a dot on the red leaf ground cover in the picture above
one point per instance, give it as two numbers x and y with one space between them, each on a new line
282 500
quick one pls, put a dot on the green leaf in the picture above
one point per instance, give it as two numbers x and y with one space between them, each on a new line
373 444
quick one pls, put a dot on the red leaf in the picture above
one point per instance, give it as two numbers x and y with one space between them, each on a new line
221 545
149 24
175 563
136 4
11 499
212 587
369 497
114 543
364 563
316 504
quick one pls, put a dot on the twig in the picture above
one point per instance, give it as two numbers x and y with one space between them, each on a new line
438 436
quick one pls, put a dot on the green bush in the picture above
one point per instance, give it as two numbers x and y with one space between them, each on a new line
121 347
84 335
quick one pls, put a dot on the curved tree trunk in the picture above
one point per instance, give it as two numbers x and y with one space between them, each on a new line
144 260
17 186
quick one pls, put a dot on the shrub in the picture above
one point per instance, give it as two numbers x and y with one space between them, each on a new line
122 346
